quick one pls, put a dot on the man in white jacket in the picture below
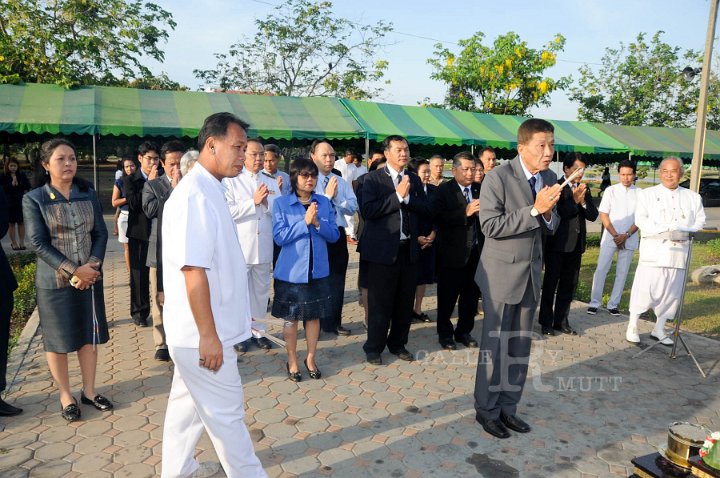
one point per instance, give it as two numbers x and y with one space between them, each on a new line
250 196
665 214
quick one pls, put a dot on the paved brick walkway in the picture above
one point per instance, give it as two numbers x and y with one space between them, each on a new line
591 406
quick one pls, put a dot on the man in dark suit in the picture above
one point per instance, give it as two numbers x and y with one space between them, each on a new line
138 232
155 194
392 199
516 209
454 207
8 284
563 250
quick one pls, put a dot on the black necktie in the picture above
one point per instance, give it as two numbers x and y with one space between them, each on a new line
405 217
468 198
533 181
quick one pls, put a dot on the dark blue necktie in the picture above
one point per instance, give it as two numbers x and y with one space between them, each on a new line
404 216
533 181
467 195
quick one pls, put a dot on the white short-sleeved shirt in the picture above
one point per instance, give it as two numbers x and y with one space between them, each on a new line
619 203
199 231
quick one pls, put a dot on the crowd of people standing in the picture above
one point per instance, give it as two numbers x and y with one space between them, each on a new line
210 233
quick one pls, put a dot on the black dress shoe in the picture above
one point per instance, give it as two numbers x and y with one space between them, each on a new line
547 330
343 331
99 402
71 413
162 355
314 374
514 423
568 330
493 427
447 343
140 322
403 354
7 410
242 347
373 359
293 376
262 343
467 340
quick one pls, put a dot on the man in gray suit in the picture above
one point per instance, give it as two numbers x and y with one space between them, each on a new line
516 208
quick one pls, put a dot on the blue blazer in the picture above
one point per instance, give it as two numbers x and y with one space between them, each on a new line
294 237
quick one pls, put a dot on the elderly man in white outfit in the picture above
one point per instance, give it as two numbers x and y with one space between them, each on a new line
206 303
250 196
349 172
617 213
665 214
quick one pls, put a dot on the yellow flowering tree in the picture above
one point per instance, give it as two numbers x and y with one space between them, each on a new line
508 77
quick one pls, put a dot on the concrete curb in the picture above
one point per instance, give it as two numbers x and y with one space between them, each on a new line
20 351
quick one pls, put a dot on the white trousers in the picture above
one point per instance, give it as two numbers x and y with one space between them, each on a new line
656 288
624 259
200 399
259 287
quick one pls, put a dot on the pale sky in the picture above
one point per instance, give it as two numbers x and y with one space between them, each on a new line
589 27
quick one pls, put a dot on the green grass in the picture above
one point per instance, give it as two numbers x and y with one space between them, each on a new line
701 311
23 266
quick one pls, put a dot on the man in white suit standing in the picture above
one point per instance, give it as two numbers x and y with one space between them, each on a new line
250 196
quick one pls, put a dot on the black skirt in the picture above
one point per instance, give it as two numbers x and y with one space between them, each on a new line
66 318
296 302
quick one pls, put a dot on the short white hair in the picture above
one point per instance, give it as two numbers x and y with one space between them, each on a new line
188 160
673 158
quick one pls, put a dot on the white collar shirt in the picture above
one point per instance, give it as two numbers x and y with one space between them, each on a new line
619 203
538 187
200 232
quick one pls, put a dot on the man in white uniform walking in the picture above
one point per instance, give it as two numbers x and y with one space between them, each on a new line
206 309
665 214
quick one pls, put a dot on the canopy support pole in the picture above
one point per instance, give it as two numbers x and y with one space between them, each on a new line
95 178
472 149
367 148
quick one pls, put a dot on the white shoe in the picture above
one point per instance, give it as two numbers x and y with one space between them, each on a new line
207 469
632 335
663 339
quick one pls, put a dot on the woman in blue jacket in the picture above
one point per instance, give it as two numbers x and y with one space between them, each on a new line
303 223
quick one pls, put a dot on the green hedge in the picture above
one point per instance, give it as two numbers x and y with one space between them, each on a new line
23 266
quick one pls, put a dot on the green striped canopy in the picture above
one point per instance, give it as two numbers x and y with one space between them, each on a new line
35 108
439 126
661 142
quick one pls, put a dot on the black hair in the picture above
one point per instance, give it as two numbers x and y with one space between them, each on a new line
216 126
315 144
376 151
147 146
532 126
627 163
46 151
415 163
466 155
173 146
393 137
301 165
377 164
486 148
570 158
273 148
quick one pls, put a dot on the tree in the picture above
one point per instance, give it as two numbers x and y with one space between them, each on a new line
303 50
507 78
640 84
80 42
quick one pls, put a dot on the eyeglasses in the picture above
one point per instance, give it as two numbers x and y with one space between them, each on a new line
306 175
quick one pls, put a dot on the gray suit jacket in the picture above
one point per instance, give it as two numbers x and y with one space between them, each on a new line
513 238
154 195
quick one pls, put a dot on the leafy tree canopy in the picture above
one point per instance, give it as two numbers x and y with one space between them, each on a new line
641 84
81 42
506 78
302 49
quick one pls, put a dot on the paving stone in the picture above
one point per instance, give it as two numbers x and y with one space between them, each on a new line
91 462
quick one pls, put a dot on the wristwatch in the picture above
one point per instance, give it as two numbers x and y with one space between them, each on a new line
534 212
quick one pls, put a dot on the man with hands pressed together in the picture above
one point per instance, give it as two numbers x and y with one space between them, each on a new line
207 309
517 209
454 207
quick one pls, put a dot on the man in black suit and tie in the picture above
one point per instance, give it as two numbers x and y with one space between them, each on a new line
563 250
454 207
517 204
138 232
392 199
